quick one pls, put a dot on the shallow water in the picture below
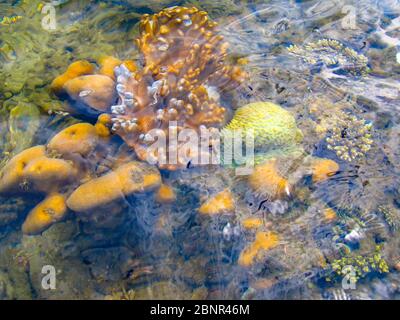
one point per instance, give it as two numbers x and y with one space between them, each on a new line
334 65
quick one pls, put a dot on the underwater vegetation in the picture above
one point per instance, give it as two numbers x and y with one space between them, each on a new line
81 189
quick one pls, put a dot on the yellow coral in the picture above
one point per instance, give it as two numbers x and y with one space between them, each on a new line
48 173
264 241
45 214
267 182
12 175
252 223
80 138
322 169
94 91
130 178
76 69
222 202
165 194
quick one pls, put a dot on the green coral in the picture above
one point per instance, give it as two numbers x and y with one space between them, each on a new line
359 265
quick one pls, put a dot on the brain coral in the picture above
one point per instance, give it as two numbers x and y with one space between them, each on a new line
273 127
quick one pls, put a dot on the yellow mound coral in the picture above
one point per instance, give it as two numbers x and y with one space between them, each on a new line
130 178
80 138
264 241
47 174
272 125
46 213
96 91
76 69
322 169
222 202
267 182
12 177
165 194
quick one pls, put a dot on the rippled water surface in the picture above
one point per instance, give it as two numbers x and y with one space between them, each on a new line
318 217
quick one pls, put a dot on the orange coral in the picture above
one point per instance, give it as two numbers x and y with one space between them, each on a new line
322 169
46 213
222 202
264 241
184 75
79 138
129 178
165 194
267 182
252 223
76 69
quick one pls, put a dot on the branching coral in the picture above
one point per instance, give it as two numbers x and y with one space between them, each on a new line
333 54
350 138
358 266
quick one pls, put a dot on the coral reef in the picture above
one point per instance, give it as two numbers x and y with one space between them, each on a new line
64 171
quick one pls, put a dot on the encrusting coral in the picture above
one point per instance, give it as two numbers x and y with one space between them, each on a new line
264 241
48 212
133 177
223 202
266 181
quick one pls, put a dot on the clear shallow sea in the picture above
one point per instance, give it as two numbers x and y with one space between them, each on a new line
334 65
